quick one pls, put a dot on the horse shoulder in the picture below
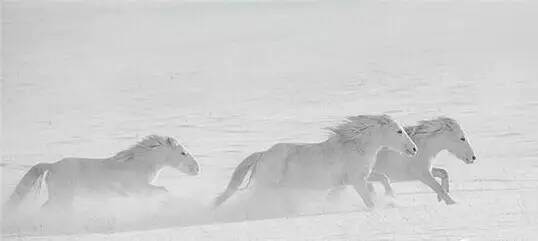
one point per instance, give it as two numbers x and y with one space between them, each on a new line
393 164
383 156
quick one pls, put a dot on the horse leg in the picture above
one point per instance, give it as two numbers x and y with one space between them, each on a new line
361 187
443 174
371 188
430 181
58 210
383 179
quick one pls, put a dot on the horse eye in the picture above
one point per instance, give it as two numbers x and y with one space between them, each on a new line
399 131
183 153
462 139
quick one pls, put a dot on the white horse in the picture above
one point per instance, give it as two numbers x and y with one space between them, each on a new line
431 137
128 172
349 152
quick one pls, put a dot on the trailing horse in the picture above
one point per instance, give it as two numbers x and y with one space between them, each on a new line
129 172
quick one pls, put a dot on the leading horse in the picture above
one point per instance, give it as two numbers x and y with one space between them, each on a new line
431 136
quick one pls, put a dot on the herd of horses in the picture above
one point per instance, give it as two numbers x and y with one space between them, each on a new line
361 150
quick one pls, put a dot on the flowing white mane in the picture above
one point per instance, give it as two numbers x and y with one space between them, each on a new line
355 127
432 127
146 144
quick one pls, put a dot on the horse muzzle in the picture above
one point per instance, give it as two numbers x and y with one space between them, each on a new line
470 160
193 171
189 170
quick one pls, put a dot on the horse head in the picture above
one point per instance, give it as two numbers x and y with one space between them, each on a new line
163 151
184 161
446 134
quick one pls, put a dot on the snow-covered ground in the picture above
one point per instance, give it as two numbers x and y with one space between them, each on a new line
230 78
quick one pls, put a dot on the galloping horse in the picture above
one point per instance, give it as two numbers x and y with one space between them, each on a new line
431 137
348 153
129 172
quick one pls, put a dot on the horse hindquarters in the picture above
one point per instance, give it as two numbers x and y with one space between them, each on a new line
61 190
30 180
238 176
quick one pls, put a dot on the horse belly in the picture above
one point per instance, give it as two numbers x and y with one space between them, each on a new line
312 176
100 183
98 188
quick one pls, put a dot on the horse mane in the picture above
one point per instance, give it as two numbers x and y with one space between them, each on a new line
432 127
144 145
355 127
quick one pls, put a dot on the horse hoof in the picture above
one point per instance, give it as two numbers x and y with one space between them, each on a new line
450 202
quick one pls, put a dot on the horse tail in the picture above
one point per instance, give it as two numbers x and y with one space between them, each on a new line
238 177
32 179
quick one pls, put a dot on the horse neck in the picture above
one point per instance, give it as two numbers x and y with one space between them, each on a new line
361 148
428 147
369 151
146 164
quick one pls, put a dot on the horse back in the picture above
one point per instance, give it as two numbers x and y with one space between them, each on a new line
308 165
84 171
